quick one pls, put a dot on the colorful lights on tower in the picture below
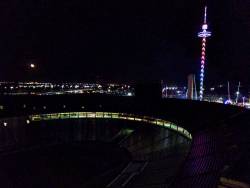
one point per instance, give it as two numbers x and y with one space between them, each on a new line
203 34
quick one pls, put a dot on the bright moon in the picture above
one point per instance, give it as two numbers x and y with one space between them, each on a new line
32 65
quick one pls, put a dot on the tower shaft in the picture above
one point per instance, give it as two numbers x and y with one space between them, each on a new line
202 70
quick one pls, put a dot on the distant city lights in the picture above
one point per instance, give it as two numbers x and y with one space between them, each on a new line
46 88
216 94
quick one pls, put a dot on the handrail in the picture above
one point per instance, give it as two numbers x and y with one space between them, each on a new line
112 115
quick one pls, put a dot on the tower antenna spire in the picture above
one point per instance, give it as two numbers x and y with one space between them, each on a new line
205 15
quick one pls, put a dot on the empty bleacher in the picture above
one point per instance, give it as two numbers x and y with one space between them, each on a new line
218 156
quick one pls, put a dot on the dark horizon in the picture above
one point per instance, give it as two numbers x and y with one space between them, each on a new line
114 41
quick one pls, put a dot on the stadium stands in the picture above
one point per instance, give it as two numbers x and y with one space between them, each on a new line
162 156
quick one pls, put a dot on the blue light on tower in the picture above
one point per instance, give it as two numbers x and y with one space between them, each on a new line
203 34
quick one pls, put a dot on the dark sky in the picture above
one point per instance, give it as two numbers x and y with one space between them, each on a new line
122 40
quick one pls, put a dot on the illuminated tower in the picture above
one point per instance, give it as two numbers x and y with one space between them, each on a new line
203 34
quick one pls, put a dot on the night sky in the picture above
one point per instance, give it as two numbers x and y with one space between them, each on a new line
88 40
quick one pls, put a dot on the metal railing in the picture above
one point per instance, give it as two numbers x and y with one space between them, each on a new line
112 115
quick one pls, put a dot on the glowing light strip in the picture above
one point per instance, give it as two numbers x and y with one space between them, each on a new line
111 115
203 58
